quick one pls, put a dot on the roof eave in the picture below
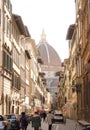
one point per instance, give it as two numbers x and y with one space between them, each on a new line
20 24
70 32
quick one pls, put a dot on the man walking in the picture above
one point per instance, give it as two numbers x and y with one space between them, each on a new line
49 120
36 121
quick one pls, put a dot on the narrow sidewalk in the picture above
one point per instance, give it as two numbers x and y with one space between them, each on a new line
83 123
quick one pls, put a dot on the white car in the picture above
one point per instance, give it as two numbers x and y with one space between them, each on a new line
4 123
58 117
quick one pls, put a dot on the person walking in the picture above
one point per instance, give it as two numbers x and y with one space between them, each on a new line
36 121
50 116
44 115
23 121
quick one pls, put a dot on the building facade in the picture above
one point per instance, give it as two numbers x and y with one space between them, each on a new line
6 55
20 89
79 65
85 54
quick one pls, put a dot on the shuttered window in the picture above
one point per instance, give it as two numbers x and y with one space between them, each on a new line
7 61
16 81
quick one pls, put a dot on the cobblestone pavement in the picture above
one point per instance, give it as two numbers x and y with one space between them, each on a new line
70 125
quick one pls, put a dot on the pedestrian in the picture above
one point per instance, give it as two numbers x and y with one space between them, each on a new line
50 116
44 115
64 116
23 121
36 121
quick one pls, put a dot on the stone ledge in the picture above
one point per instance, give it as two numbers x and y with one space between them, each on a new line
83 123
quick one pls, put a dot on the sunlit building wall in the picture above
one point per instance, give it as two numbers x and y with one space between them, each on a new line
15 68
67 94
5 56
83 58
19 68
84 14
79 57
72 37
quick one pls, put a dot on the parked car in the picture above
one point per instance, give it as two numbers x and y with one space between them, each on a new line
14 119
4 123
58 117
87 128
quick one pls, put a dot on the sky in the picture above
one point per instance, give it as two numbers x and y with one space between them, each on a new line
54 16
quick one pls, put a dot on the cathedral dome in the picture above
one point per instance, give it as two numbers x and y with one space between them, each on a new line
51 65
48 53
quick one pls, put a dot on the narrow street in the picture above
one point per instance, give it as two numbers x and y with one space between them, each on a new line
70 125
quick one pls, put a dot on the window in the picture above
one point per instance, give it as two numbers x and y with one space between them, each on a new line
7 61
6 25
16 81
16 56
8 5
65 99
